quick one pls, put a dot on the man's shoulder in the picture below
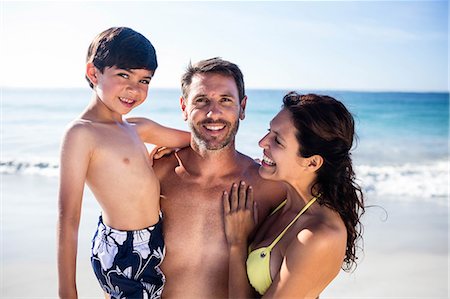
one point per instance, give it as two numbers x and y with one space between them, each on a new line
167 164
248 162
266 187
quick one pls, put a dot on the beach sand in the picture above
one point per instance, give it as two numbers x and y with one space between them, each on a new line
405 255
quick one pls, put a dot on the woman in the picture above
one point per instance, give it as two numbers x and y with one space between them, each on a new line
300 248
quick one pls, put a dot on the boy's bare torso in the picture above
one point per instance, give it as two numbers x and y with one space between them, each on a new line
121 176
196 264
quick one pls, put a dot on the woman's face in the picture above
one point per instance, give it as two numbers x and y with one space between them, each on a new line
281 161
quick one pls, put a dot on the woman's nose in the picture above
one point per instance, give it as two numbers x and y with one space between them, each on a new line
263 142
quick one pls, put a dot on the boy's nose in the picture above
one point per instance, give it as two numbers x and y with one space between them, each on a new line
133 87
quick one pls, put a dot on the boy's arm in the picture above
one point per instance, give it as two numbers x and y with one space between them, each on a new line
154 133
75 155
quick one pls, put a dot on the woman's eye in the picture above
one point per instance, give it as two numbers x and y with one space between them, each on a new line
277 141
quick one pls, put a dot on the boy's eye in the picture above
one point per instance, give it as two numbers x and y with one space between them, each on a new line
145 81
123 75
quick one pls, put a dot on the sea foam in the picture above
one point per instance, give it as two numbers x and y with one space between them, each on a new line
406 181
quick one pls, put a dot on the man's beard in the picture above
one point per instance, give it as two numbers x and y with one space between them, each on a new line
212 142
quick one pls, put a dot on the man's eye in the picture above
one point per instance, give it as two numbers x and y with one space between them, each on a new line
200 100
277 141
226 100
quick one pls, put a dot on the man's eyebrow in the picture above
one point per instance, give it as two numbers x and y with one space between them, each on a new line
230 95
199 95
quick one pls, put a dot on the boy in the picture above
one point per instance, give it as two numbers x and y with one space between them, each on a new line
105 151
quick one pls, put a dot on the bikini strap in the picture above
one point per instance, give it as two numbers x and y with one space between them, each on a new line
279 207
310 202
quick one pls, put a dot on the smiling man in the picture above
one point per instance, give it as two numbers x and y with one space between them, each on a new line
193 180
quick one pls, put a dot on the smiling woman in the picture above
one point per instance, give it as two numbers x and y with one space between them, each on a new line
301 246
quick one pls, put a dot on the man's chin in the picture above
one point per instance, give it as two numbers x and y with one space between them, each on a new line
212 146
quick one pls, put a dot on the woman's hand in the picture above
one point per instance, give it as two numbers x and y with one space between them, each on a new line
239 213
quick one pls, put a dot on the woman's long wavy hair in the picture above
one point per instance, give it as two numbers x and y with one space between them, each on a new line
326 128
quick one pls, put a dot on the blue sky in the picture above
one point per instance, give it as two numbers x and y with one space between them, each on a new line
357 45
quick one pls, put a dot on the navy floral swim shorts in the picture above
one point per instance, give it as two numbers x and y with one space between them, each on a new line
126 263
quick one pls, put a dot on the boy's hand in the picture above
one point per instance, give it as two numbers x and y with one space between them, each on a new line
160 151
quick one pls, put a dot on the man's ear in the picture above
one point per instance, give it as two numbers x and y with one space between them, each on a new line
91 73
183 108
243 103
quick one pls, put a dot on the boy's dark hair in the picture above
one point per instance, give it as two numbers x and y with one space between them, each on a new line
213 65
121 47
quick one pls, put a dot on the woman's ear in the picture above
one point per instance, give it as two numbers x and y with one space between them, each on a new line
315 162
91 73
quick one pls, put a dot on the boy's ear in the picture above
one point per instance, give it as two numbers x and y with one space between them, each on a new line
243 103
91 73
183 108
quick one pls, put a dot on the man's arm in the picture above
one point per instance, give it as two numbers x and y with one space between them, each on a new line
154 133
75 155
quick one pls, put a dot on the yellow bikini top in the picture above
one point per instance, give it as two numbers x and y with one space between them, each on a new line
258 260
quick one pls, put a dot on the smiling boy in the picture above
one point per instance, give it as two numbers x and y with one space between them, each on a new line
103 150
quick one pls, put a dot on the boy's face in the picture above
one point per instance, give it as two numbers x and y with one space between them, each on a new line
119 89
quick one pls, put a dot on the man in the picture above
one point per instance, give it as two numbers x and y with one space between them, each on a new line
193 180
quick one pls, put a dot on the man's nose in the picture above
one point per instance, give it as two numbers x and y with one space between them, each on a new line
214 110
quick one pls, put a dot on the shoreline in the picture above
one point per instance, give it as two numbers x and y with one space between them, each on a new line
405 254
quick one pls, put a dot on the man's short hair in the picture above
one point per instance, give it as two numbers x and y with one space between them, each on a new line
213 65
123 48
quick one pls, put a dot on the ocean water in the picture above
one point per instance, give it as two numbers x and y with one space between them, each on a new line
401 152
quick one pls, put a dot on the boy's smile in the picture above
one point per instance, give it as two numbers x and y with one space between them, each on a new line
127 102
121 90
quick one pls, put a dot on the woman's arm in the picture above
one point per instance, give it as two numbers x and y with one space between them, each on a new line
240 220
311 262
154 133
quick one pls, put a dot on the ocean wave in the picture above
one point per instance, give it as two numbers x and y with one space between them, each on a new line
49 168
406 181
427 181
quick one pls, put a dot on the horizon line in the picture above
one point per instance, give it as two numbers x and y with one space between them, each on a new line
247 88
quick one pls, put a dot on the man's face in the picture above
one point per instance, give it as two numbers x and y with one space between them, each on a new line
212 110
